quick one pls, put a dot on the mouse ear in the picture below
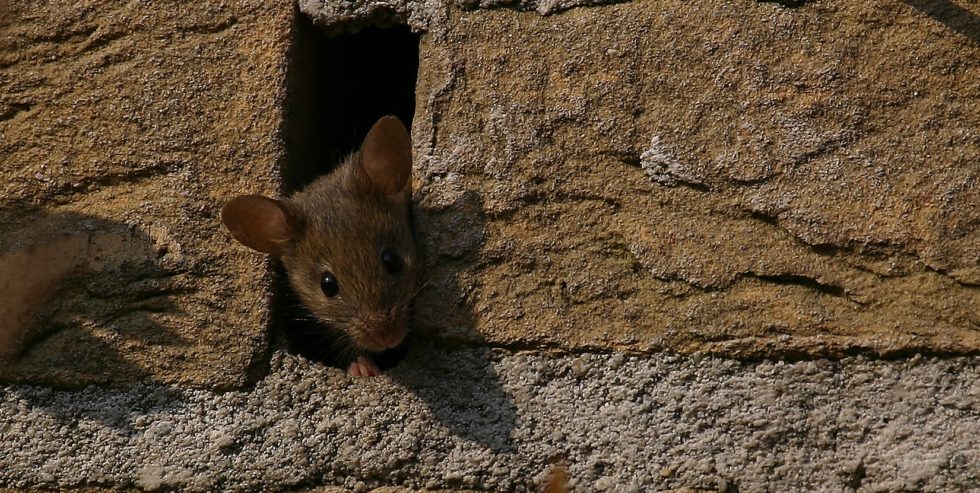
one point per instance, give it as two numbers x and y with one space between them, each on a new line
259 223
386 157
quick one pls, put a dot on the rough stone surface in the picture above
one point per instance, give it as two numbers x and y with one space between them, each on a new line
123 128
425 15
732 177
482 420
736 178
742 178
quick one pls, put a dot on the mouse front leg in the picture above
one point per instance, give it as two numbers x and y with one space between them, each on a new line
363 366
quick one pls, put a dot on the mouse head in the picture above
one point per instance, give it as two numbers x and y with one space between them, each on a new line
346 240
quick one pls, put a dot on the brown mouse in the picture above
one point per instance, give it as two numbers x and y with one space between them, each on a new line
346 244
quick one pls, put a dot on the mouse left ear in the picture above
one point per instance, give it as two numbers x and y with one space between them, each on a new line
386 157
260 223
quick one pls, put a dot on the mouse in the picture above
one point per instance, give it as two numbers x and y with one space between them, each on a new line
347 247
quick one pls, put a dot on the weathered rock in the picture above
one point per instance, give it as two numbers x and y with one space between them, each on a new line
427 15
728 177
123 128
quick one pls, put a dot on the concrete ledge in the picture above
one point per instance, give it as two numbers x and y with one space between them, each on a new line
475 419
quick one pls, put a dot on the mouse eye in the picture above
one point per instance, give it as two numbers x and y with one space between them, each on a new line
328 283
393 263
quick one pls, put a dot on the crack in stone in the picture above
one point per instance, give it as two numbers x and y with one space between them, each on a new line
11 110
799 280
127 177
882 250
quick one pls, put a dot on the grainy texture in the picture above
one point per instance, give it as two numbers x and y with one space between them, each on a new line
736 178
620 423
732 177
426 15
123 128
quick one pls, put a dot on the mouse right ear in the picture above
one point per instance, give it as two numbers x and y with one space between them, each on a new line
259 223
386 157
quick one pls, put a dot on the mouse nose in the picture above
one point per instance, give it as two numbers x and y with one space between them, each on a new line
383 331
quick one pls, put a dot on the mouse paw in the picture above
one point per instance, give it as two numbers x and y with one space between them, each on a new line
363 367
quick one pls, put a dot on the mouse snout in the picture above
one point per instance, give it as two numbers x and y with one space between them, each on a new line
382 331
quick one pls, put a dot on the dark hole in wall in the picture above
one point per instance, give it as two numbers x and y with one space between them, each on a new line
338 87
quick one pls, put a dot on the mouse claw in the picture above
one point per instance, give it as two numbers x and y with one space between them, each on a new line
363 367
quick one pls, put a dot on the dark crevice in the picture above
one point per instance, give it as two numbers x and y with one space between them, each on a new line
780 279
947 275
824 148
867 251
100 42
793 355
338 87
701 187
211 28
631 159
669 180
825 249
798 280
765 218
440 100
132 175
751 182
856 477
63 36
9 111
537 6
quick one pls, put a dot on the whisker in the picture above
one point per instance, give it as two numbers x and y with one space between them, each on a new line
420 288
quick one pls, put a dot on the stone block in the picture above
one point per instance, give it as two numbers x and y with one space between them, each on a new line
123 129
731 177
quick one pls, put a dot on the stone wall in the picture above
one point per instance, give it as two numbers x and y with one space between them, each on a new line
741 178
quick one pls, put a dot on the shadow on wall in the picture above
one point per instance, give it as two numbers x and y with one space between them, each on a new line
120 411
950 14
953 16
462 392
74 291
64 278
